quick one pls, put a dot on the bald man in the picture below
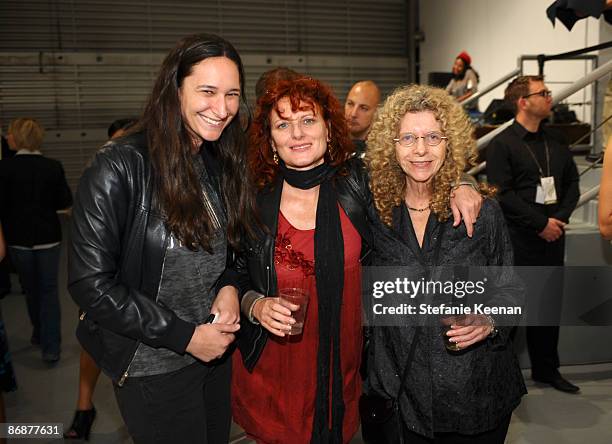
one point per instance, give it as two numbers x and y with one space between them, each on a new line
359 108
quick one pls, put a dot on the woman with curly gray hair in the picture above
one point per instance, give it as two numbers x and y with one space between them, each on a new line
463 388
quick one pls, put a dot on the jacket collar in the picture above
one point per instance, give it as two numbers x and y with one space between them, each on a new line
269 205
523 134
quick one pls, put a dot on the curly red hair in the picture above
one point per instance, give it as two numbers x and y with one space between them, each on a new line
310 94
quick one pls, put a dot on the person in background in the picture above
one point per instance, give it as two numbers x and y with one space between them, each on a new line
420 143
605 195
538 190
271 77
5 278
153 220
464 82
89 372
359 110
7 375
2 244
120 128
32 189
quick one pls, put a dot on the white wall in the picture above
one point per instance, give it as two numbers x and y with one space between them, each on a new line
495 33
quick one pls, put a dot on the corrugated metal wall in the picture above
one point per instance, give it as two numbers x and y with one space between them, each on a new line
76 65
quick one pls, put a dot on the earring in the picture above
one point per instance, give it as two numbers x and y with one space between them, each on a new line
330 151
275 158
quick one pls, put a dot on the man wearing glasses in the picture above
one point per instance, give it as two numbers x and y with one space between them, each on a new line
538 190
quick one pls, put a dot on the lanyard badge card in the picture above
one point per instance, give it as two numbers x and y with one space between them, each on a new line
545 192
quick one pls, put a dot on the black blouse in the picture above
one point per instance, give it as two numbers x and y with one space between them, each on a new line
467 392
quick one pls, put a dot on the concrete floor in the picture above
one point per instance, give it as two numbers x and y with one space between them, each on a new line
48 393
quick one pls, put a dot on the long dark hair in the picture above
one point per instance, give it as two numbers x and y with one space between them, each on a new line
170 145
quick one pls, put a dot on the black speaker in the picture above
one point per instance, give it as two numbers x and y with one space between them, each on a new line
439 79
498 112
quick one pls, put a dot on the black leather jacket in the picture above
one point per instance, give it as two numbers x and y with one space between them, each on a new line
256 265
116 260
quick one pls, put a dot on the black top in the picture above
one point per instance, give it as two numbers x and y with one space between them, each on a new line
512 168
32 189
469 392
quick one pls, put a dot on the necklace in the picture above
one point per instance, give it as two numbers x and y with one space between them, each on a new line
420 210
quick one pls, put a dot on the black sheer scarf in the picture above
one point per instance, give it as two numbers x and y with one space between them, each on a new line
329 274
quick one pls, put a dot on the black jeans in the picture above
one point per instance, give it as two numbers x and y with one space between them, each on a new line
189 405
495 436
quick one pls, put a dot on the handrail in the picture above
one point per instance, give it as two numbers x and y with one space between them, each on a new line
490 87
594 75
588 195
541 58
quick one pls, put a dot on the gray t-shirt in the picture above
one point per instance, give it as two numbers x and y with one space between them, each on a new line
187 285
459 87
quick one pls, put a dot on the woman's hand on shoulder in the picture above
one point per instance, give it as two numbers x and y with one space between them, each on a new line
465 203
470 330
273 316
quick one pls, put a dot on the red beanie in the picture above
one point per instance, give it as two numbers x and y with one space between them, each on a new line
465 57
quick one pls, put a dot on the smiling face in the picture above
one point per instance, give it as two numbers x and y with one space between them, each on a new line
299 137
458 66
420 162
210 98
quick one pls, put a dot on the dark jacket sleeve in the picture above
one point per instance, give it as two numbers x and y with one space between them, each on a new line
99 244
570 190
230 275
499 173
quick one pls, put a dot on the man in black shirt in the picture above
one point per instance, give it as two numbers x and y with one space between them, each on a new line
538 190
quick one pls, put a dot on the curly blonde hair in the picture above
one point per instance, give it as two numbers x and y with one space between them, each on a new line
387 179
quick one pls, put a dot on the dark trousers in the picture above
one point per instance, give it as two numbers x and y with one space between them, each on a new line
5 278
38 271
495 436
542 341
189 405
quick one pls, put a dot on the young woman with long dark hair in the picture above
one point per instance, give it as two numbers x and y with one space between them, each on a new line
154 217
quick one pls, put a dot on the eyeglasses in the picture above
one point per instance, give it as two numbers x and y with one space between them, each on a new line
544 94
431 139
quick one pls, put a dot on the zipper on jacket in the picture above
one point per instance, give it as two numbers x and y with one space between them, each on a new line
126 373
267 280
210 210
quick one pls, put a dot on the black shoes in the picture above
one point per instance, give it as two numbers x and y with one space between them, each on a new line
559 382
81 424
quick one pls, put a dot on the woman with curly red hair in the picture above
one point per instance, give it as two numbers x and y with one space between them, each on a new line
312 204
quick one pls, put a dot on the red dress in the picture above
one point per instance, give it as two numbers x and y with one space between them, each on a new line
275 403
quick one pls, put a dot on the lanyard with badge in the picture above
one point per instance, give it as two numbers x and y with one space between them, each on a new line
545 192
